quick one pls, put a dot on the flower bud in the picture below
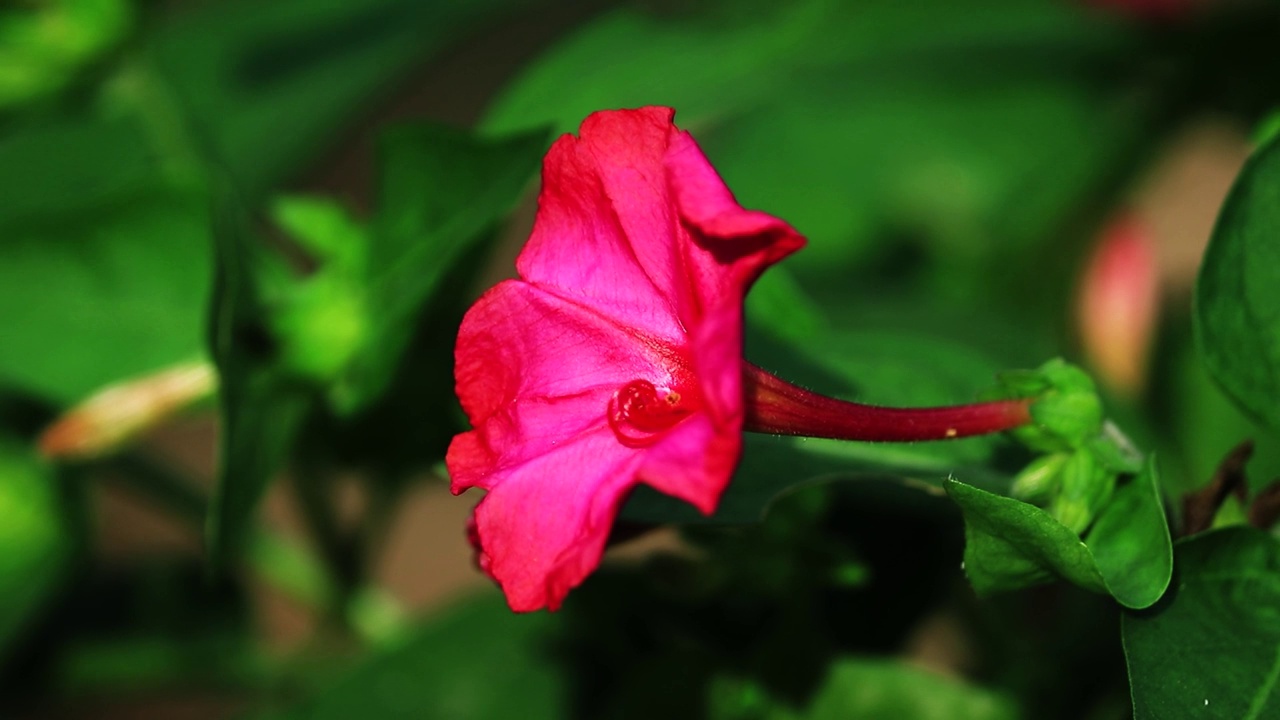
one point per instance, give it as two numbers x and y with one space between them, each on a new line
1039 481
1117 305
1085 486
1066 411
113 416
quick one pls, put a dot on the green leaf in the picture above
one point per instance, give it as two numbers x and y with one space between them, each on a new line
92 296
326 230
267 84
1130 541
321 319
1237 308
442 193
32 534
476 661
778 306
42 48
157 662
711 68
147 627
1206 424
1010 544
65 167
104 259
886 368
1209 647
1127 553
869 689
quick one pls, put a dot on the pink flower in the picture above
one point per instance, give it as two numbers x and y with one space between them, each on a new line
615 359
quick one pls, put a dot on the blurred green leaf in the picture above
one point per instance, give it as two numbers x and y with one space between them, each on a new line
475 661
103 293
104 260
869 689
777 305
325 230
67 166
267 84
34 539
883 368
1208 649
42 47
1237 306
1127 553
442 194
321 319
710 68
1206 425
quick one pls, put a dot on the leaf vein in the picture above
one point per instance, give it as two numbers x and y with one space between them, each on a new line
1264 693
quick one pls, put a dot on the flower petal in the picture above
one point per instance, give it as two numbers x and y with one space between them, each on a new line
534 370
725 249
694 462
729 246
606 226
543 529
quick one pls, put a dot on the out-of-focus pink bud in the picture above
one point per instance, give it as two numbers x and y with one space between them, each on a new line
116 414
1118 303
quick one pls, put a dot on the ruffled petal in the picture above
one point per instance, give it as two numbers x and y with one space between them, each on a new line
604 232
694 462
728 246
725 248
543 527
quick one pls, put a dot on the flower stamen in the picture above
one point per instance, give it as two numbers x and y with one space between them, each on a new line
640 411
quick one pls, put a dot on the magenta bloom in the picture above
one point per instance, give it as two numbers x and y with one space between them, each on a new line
615 359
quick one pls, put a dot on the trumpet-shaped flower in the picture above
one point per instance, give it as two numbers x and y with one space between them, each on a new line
616 357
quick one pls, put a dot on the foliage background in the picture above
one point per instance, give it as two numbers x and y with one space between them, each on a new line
309 192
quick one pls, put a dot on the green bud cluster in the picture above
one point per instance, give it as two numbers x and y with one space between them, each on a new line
1084 454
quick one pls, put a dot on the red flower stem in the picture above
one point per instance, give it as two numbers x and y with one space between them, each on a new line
776 406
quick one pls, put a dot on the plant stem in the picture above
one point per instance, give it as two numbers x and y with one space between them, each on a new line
282 562
314 491
776 406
